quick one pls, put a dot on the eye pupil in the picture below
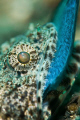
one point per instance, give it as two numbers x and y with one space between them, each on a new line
23 57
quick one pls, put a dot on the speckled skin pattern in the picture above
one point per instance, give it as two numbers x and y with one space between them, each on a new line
19 97
36 89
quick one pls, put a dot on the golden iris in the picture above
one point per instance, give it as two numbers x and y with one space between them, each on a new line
23 57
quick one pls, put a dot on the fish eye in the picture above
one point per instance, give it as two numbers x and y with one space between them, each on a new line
23 57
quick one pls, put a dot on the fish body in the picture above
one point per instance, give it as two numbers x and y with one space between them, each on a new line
32 66
22 61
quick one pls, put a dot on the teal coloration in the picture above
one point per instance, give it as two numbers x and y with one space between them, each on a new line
59 13
65 22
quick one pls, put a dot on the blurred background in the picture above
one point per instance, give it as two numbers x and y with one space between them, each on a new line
15 16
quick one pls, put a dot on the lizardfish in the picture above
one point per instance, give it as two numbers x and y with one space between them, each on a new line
32 67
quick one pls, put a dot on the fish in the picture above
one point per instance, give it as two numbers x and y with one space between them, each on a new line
21 60
33 66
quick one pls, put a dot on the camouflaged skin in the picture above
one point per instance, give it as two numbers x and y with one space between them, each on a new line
19 88
21 85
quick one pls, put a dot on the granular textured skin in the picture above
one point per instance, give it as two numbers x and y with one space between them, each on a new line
19 98
41 84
